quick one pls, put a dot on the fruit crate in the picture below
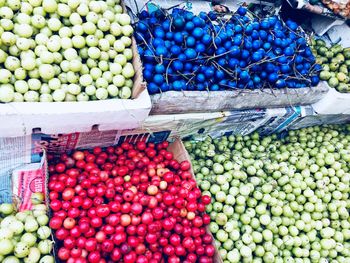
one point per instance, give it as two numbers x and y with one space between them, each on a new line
24 118
172 102
180 154
333 103
67 117
177 102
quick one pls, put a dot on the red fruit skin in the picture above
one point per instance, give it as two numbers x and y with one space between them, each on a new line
55 222
63 253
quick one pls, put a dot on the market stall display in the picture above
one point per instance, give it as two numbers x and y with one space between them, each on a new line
275 200
87 176
245 153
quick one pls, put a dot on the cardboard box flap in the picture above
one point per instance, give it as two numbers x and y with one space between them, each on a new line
174 102
67 117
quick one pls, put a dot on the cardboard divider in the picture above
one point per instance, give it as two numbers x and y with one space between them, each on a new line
175 102
333 103
139 84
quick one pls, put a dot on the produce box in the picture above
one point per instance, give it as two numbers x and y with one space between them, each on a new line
16 151
32 177
340 34
333 103
172 102
199 125
233 94
322 24
64 167
67 117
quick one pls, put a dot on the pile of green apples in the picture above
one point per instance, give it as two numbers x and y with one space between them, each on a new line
278 200
25 236
335 61
72 50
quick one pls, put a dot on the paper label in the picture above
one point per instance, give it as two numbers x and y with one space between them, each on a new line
27 180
